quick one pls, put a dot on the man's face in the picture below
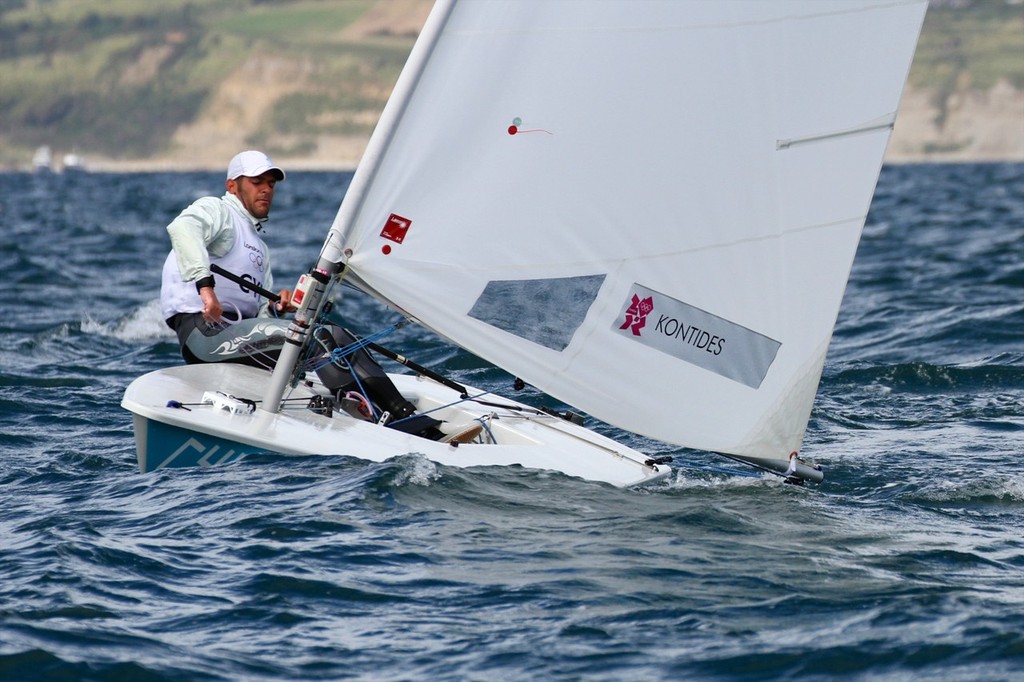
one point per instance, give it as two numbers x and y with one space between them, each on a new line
256 194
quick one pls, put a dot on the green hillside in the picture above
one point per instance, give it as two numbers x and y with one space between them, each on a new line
969 45
117 78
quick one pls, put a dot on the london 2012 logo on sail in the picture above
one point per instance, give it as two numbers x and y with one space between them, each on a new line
636 314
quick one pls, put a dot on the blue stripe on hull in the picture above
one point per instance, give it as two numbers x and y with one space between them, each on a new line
161 446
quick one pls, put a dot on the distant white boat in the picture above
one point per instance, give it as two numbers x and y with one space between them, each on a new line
42 160
646 209
74 163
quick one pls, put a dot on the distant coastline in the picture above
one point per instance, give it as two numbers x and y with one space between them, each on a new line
186 90
977 127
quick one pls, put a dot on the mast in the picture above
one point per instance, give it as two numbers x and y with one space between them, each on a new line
330 263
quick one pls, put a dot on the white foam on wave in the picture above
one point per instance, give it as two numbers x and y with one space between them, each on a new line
681 479
417 470
1006 489
142 324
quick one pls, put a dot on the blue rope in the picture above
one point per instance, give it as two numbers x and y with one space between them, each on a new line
340 356
362 390
442 407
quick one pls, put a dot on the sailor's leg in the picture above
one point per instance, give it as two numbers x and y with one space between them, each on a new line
372 377
374 381
255 341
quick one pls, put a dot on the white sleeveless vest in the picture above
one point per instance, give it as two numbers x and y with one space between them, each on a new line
247 258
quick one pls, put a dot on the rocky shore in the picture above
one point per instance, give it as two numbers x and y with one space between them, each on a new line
968 126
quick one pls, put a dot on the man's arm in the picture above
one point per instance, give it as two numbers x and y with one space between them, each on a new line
203 228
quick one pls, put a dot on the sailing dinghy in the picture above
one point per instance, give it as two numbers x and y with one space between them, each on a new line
647 209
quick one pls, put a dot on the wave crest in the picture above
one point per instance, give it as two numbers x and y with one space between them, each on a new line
145 323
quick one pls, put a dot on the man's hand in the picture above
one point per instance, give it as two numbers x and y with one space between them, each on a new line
212 311
285 304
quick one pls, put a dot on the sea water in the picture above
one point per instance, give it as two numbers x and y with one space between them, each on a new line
907 563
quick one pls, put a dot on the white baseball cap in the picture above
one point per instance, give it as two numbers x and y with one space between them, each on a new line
252 164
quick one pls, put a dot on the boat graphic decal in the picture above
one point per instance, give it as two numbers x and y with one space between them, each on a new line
262 336
196 453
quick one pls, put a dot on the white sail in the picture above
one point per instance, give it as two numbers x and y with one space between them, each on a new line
646 208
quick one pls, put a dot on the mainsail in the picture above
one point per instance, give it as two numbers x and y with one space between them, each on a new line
647 209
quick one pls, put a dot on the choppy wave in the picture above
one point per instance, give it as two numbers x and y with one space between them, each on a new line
993 374
142 324
905 564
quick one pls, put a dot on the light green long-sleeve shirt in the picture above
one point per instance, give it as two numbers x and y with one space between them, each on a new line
206 228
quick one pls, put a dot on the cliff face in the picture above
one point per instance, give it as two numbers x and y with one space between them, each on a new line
184 86
965 95
949 112
969 125
966 125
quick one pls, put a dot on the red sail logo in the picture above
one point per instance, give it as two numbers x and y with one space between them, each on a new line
395 228
636 314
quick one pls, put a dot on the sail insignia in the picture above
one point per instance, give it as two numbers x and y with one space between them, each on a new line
696 336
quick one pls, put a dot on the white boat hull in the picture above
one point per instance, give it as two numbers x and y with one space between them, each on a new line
205 435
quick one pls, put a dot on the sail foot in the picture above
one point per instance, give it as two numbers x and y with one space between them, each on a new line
794 469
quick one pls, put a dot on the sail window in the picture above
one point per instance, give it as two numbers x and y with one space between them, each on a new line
545 311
